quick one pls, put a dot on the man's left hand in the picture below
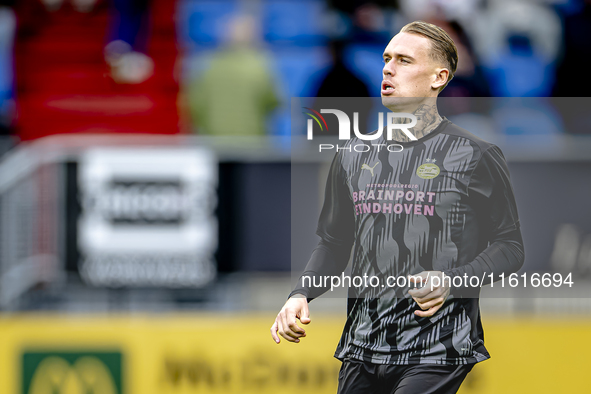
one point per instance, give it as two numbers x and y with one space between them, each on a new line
430 298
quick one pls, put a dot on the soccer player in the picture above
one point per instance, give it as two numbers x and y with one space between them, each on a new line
442 208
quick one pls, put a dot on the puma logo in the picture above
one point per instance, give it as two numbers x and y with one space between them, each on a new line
367 167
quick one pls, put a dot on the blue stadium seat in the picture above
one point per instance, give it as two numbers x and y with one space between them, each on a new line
296 22
518 71
296 65
202 22
521 76
296 69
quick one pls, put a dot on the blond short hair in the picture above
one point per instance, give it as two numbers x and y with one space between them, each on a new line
443 47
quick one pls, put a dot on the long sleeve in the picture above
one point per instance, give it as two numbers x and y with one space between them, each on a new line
505 254
328 259
336 228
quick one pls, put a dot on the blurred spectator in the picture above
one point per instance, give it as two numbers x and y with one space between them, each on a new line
468 82
469 79
576 56
236 93
340 81
571 80
7 34
363 20
352 6
346 6
126 51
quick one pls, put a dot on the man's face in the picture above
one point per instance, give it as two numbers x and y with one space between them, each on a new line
409 72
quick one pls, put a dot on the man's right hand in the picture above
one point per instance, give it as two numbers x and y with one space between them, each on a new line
285 323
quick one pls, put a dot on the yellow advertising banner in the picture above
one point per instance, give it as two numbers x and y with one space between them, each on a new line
172 354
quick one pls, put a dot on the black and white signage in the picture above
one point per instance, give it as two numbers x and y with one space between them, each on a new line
147 216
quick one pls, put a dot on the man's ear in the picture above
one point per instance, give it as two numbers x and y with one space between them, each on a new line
441 78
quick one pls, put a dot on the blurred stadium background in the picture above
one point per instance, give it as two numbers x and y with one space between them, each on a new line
146 184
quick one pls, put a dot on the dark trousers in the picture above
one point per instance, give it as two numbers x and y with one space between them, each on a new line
358 377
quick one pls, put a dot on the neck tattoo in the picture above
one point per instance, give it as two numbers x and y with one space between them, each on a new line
427 120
